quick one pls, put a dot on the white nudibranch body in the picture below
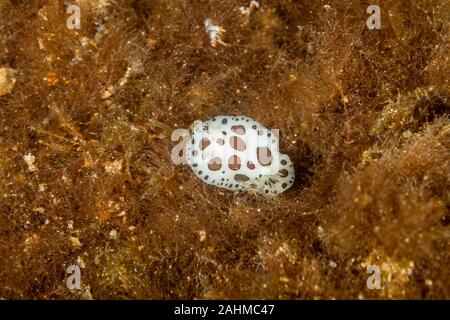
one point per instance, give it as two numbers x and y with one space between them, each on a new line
238 153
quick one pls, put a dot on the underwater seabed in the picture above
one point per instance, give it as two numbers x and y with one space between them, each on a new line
93 207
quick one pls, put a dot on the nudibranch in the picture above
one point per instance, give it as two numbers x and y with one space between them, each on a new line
238 153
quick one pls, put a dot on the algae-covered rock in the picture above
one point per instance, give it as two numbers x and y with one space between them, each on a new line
7 80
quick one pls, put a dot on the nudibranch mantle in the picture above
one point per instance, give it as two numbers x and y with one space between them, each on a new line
238 153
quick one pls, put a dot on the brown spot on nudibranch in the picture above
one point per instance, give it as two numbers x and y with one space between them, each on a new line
251 165
264 155
283 173
234 163
283 162
237 143
224 121
284 185
238 129
204 143
241 177
221 141
215 164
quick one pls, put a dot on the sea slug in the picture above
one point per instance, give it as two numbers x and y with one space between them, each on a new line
238 153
